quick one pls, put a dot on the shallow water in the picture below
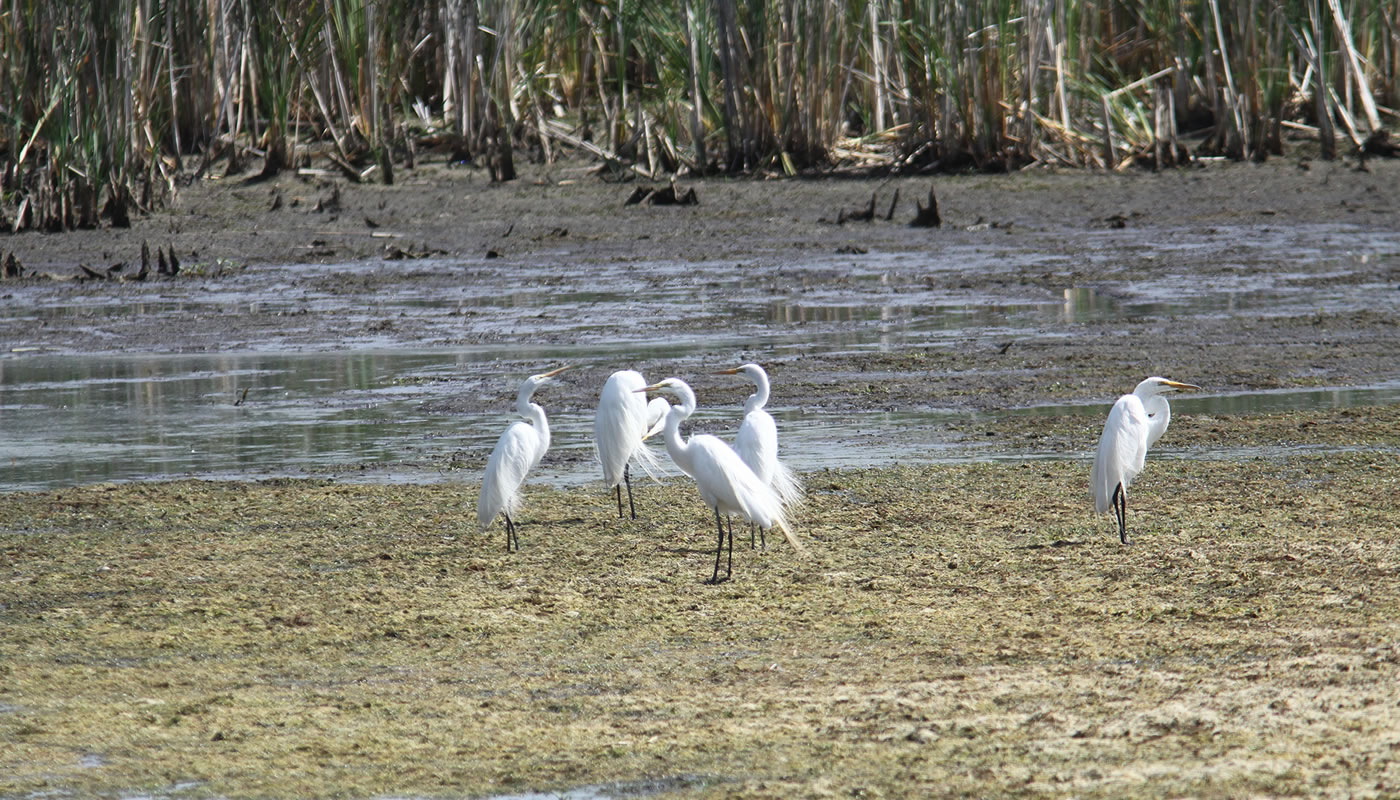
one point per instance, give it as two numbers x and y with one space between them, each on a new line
81 419
275 405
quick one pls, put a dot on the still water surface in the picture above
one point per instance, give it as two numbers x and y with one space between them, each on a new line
379 414
365 406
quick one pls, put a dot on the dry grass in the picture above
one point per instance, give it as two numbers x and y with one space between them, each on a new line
961 630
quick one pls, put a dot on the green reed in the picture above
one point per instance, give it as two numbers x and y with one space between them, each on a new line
104 102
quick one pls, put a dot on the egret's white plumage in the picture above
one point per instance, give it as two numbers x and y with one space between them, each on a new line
517 452
657 408
623 422
757 442
1134 424
725 482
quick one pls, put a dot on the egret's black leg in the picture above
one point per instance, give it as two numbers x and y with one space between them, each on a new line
1120 510
512 541
619 501
729 570
762 536
718 548
627 479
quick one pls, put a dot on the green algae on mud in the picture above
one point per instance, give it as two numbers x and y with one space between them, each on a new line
954 630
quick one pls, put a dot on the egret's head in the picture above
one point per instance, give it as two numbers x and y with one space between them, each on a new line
1155 386
670 385
536 381
751 371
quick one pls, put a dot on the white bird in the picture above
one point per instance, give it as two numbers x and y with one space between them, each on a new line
757 442
623 423
725 482
1136 422
517 452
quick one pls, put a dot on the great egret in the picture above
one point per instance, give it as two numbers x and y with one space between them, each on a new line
517 452
757 441
1136 422
725 482
624 421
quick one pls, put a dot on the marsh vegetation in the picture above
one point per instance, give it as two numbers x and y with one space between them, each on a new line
106 107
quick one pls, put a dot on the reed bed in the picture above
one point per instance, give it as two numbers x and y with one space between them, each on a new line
106 105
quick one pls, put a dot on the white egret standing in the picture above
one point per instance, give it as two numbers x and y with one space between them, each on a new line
757 441
1136 422
725 482
517 452
624 421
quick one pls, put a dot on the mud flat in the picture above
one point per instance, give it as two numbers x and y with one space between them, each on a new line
957 629
954 630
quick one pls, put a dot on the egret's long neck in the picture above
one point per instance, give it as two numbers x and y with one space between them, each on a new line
1159 415
759 398
533 413
678 448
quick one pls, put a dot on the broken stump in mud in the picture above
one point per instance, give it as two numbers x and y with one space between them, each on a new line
889 216
145 261
863 215
329 204
12 267
667 196
670 197
927 216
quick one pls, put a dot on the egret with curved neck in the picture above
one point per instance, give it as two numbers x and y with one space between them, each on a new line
517 452
1134 424
757 442
726 483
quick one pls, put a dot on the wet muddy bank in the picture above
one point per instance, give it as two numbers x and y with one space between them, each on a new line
1041 288
958 628
954 630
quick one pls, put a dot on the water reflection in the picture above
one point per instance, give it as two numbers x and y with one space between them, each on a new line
1074 305
81 419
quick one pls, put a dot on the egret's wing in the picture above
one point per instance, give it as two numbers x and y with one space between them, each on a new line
757 445
620 423
788 485
1122 449
725 480
516 451
657 410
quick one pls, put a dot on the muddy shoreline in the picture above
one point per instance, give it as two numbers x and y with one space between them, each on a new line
956 629
444 259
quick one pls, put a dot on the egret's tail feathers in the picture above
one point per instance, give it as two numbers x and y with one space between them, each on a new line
492 502
788 486
486 512
791 537
1098 488
650 464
